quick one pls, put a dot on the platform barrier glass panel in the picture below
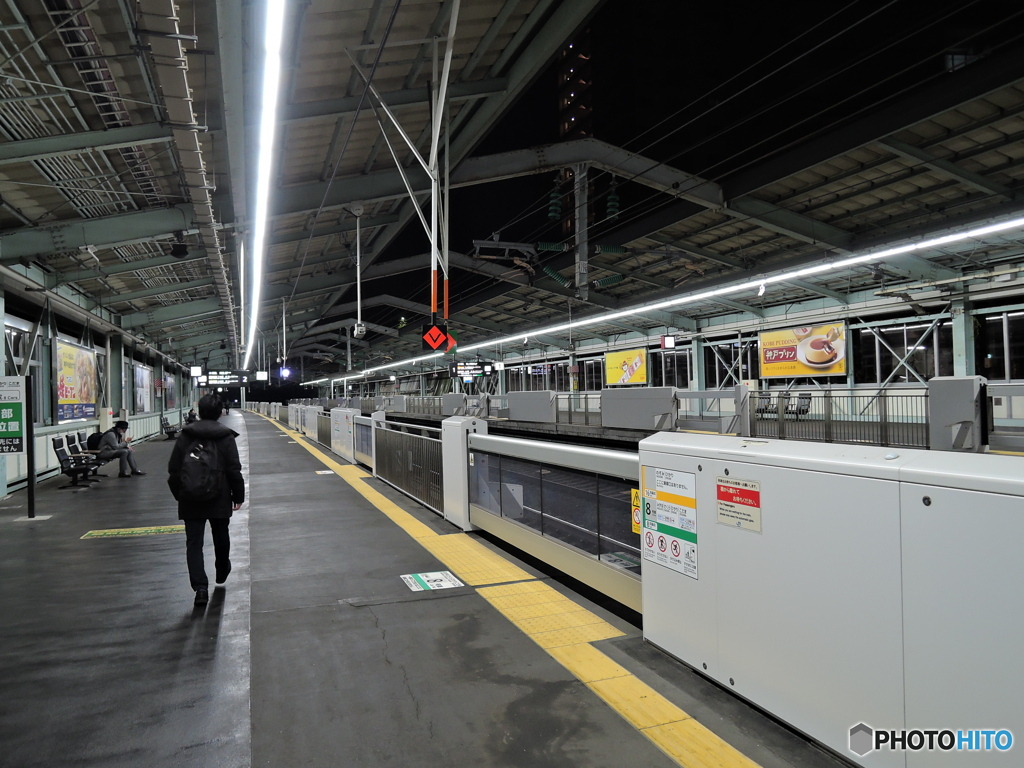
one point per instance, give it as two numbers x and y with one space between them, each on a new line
412 463
589 512
364 444
323 429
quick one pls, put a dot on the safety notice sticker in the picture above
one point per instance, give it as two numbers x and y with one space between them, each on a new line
418 582
670 519
739 503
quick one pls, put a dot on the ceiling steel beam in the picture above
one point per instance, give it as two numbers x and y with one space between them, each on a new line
110 270
29 150
163 316
346 105
738 306
27 242
158 290
810 287
945 167
231 59
368 222
939 95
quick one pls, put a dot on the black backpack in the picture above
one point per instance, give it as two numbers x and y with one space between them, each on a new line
201 472
93 441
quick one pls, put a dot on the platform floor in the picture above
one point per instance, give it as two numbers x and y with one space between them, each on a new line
316 653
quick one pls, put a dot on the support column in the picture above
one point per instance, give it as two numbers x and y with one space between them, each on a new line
7 371
964 363
582 220
115 373
698 379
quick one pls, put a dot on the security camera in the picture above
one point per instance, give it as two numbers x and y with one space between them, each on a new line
358 330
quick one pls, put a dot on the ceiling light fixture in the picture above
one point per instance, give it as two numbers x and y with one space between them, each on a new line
840 263
761 289
265 163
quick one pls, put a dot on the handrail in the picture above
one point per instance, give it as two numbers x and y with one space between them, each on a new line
600 460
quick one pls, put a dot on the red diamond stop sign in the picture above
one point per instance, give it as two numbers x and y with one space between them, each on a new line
434 336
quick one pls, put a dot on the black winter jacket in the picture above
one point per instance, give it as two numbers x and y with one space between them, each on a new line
232 484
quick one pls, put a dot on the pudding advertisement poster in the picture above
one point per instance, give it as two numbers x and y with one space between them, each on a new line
818 350
76 382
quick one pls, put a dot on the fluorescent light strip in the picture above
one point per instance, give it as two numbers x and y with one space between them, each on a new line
265 162
817 269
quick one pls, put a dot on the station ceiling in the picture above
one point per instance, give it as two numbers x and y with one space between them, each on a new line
130 125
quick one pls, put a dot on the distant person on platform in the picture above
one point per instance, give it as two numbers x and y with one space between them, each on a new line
114 445
190 417
205 476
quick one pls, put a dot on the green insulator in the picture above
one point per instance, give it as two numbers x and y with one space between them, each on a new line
604 282
550 246
559 278
555 206
612 205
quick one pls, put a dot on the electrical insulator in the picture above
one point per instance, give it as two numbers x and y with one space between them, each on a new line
555 205
612 210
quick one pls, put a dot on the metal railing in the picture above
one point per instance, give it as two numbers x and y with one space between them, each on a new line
578 408
427 405
882 418
409 458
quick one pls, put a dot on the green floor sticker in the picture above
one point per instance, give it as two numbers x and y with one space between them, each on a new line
113 533
418 582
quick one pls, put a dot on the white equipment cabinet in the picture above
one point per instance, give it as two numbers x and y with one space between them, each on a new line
343 433
813 580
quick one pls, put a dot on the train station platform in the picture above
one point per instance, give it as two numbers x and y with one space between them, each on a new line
316 652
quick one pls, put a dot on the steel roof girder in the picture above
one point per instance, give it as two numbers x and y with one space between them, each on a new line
790 223
27 242
29 150
346 105
166 315
111 270
159 290
945 167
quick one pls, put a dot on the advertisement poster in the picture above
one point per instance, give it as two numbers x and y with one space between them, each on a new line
626 367
670 519
818 350
143 389
12 414
76 382
170 391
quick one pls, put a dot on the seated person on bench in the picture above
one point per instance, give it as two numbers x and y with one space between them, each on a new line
114 446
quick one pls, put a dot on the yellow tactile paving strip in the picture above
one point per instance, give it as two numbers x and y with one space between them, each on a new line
560 626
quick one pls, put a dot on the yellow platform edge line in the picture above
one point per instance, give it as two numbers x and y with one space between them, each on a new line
668 727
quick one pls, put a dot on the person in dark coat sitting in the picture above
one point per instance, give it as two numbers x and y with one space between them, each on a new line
114 445
228 495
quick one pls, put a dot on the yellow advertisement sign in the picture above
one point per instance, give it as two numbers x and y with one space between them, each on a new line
626 367
76 382
818 350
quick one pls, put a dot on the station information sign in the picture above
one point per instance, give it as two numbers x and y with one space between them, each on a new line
12 414
467 370
227 378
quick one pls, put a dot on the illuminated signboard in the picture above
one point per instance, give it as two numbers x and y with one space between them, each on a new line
227 378
196 371
262 376
468 370
818 350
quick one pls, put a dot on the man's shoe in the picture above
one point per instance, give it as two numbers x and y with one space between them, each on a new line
202 597
124 474
222 576
138 472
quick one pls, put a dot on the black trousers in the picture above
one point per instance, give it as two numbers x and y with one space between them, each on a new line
195 532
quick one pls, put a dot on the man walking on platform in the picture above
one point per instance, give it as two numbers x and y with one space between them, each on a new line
205 476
